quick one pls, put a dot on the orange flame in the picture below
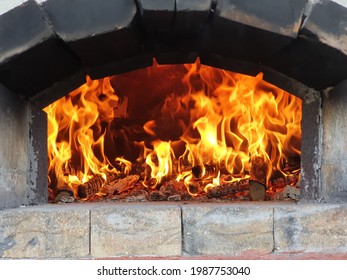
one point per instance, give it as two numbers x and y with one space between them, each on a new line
228 123
75 132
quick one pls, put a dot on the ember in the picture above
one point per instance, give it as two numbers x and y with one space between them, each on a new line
175 132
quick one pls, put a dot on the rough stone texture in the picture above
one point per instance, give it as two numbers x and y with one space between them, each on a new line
44 232
334 160
232 230
136 229
327 22
227 229
311 228
31 57
282 17
311 147
242 30
38 166
97 32
14 150
321 44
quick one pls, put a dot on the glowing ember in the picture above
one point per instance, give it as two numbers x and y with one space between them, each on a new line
202 127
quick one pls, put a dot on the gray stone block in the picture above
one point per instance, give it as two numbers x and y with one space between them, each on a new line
14 140
335 124
44 232
334 157
227 229
136 230
311 228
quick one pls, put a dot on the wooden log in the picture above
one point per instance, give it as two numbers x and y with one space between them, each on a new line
258 170
120 185
198 171
64 192
90 188
229 188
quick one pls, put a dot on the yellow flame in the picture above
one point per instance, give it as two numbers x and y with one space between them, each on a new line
229 123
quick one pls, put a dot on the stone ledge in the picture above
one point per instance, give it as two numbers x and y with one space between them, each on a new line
227 229
136 229
159 230
51 231
311 228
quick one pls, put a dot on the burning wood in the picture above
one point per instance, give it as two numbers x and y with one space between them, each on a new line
220 128
64 193
200 172
228 188
259 170
120 185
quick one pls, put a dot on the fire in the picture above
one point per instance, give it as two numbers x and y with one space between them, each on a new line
223 124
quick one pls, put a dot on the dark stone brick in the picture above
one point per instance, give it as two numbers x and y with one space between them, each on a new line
242 30
157 15
176 57
282 17
191 16
311 62
21 29
97 31
121 66
31 58
58 89
317 57
230 64
38 68
327 23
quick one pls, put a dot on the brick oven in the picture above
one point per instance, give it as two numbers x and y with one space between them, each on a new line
47 47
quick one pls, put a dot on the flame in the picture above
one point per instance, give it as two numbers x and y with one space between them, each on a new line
76 134
227 123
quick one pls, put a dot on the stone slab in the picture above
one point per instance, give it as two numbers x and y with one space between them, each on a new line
311 228
222 229
50 231
136 229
